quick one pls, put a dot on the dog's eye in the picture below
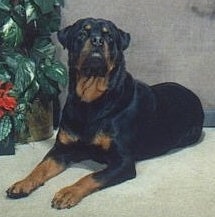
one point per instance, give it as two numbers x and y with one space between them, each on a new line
84 32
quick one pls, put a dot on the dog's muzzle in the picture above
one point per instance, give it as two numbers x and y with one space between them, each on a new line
93 59
94 64
97 41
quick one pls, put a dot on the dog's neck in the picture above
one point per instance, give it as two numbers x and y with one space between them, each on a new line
90 88
120 90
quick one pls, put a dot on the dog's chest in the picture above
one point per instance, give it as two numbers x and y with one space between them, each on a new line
96 133
82 123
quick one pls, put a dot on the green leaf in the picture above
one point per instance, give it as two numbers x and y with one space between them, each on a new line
19 123
20 118
53 21
59 3
21 108
45 6
47 86
50 22
4 16
24 70
4 75
5 127
5 5
25 74
31 11
12 60
18 14
11 33
43 49
31 91
57 72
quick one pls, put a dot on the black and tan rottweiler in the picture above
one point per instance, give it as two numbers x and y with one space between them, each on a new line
109 116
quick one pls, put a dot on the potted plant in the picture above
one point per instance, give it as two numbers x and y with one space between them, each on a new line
29 72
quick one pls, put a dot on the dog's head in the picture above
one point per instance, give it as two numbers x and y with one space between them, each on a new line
95 48
94 45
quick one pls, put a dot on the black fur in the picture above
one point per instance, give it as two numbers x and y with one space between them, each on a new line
143 121
136 121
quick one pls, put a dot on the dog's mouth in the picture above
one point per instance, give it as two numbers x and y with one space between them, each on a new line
94 65
96 54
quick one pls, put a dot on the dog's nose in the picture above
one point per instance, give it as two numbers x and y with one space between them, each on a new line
97 41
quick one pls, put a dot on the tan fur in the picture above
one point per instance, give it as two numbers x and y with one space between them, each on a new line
103 141
84 53
66 138
71 195
89 89
110 64
43 172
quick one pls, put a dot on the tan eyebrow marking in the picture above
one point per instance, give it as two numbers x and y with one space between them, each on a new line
105 30
87 27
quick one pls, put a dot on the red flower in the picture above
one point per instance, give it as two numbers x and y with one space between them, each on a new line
7 103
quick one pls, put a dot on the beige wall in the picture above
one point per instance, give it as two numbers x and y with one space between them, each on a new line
170 41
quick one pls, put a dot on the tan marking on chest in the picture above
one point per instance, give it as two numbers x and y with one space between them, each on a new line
66 138
103 141
89 89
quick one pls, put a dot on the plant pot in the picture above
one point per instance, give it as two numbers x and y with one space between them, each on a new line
39 122
7 146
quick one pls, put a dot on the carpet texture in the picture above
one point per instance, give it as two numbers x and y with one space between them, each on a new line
180 184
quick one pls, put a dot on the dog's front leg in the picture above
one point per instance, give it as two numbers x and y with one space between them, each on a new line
115 173
50 166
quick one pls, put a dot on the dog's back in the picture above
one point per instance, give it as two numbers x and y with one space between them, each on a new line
176 121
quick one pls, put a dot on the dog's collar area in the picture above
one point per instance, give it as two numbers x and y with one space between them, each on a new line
91 88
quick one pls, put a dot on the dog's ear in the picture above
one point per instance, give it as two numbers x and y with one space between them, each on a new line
66 35
124 39
63 36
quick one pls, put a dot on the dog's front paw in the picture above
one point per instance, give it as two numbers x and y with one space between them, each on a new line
67 198
21 189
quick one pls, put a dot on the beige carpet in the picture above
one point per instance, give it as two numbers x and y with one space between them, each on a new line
181 184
